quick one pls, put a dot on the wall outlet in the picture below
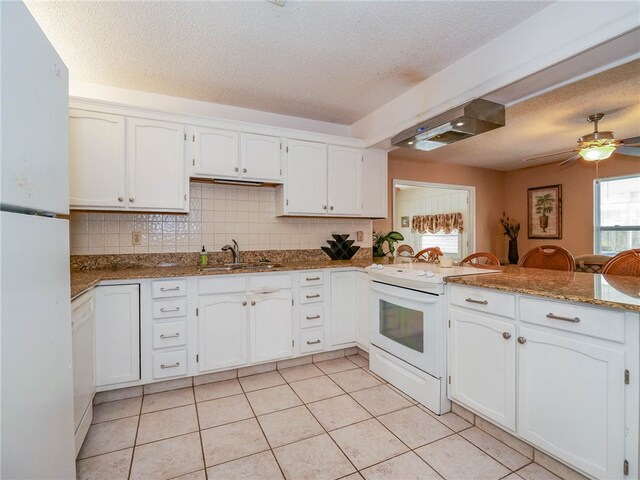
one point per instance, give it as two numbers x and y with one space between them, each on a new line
360 236
136 238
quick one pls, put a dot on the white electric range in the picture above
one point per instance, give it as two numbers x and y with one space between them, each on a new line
408 328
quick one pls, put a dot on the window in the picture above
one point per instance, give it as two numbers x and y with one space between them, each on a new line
449 243
617 215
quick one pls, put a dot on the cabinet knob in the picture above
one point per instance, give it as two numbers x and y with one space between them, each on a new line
253 302
506 335
132 199
522 340
235 169
324 207
244 170
121 199
244 304
331 207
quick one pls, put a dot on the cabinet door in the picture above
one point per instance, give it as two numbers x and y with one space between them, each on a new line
374 183
117 334
215 152
571 400
156 168
364 322
482 355
97 160
344 301
271 326
259 157
222 331
306 178
344 184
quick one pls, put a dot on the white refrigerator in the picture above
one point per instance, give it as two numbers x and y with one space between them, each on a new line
36 382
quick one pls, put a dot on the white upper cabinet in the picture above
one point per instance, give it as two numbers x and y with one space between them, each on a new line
260 157
155 157
306 183
374 183
344 177
97 160
215 152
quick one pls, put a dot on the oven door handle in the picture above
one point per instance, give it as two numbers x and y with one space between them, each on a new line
397 293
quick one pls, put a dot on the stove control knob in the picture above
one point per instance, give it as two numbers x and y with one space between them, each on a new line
429 274
421 273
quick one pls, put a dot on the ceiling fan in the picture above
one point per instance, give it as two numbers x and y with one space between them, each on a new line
597 145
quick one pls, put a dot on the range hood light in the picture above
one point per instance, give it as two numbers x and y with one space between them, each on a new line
409 143
459 124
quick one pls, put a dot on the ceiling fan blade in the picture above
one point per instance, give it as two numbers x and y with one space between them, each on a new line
548 155
631 141
628 150
570 159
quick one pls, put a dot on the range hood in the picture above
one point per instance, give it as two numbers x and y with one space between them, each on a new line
472 118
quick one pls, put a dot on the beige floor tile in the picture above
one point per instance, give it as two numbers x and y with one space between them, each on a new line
211 391
338 412
110 466
316 458
109 436
353 476
128 407
415 427
262 380
273 399
261 466
302 372
359 360
314 389
294 362
455 458
167 423
451 420
513 476
352 380
377 377
168 399
463 413
118 394
533 471
367 443
256 369
214 377
412 401
199 475
168 385
555 467
406 466
336 365
288 426
496 432
321 357
167 458
223 410
232 441
498 450
380 400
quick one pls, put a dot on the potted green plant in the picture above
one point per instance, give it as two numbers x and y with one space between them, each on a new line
544 206
511 228
379 239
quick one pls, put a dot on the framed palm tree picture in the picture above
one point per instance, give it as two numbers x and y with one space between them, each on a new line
545 211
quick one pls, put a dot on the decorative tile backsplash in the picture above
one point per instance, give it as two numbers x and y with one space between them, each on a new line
218 213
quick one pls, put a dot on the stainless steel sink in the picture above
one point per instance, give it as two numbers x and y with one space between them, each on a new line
216 269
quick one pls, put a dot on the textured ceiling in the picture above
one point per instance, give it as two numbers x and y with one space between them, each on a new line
550 123
331 61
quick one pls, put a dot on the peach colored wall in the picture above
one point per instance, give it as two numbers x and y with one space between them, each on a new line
489 195
577 198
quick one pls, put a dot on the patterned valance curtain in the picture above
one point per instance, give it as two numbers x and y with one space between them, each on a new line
434 223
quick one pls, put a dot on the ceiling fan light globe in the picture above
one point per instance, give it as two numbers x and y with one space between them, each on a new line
595 154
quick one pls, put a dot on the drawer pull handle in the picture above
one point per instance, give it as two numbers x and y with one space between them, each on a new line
566 319
175 335
315 342
311 279
244 304
163 289
480 302
506 335
317 295
522 340
253 302
314 317
164 310
175 365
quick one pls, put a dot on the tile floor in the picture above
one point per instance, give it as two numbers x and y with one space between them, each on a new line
328 420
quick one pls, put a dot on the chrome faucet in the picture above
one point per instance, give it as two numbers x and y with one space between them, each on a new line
235 250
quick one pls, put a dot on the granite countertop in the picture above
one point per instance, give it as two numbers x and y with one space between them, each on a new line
605 290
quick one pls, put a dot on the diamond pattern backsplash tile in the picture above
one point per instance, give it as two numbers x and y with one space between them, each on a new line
217 214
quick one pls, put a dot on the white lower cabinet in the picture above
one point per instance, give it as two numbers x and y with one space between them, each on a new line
571 399
344 306
271 329
117 334
482 365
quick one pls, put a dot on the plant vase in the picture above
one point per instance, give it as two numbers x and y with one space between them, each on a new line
513 251
544 222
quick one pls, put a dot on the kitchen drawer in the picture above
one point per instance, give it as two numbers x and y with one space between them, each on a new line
169 364
169 308
173 334
222 284
592 321
483 300
311 295
311 316
169 288
311 278
312 340
270 282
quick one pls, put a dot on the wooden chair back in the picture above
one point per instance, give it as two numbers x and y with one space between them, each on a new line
626 263
429 254
405 250
481 258
549 257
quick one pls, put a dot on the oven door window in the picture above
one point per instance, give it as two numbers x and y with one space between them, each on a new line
402 325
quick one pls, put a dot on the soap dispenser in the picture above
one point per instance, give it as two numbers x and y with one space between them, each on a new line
204 257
